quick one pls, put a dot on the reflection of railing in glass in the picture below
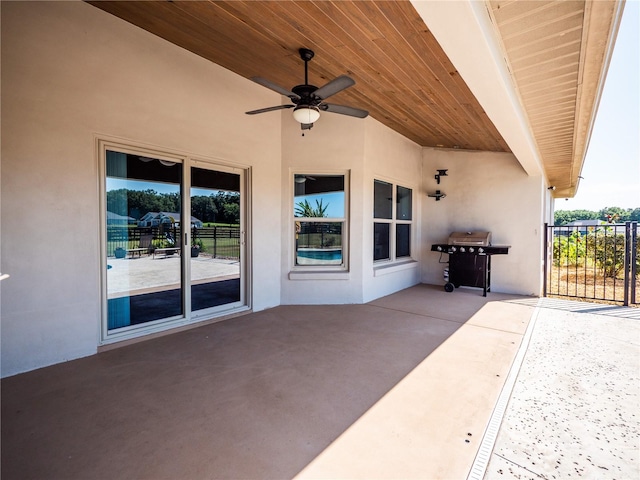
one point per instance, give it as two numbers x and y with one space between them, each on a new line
217 241
319 243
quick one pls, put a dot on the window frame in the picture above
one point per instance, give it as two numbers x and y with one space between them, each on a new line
342 267
393 223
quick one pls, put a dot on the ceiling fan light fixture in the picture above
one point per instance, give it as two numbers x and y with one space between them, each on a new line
306 114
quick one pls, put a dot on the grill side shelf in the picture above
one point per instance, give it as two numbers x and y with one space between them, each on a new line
456 249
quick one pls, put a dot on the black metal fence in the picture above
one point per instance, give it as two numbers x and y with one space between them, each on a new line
319 234
215 241
218 241
599 262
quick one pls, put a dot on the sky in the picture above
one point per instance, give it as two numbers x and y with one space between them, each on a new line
334 201
611 169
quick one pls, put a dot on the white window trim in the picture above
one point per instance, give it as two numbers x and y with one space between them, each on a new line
387 265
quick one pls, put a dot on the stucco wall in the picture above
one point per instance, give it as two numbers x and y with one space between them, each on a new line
485 192
335 144
367 150
395 159
71 72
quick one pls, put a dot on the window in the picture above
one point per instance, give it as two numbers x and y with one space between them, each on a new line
319 206
391 227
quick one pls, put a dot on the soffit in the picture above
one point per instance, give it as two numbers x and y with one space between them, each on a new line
558 53
403 78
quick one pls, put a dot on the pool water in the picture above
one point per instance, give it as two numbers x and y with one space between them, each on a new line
319 256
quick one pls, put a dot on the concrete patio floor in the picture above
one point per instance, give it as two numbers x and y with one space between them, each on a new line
402 387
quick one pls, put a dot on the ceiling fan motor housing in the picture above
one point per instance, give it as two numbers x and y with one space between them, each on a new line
309 99
305 94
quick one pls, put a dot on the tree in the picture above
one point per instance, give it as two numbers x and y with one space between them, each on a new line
232 213
222 207
228 206
204 208
608 214
136 203
304 209
613 215
562 217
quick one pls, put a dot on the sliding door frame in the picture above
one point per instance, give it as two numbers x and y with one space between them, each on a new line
187 318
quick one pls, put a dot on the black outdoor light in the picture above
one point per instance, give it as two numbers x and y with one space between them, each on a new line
441 173
438 195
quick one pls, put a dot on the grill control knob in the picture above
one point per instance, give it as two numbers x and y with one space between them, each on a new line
462 249
439 248
480 250
471 249
453 249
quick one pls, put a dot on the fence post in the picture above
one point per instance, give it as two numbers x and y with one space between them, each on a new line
215 240
627 261
634 256
546 258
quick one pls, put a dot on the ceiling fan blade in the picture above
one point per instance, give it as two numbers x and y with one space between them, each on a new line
276 88
343 110
334 86
269 109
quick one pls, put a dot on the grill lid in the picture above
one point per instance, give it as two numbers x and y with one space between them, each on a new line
481 239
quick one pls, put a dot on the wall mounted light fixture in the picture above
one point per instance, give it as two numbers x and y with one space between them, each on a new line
438 195
441 173
552 187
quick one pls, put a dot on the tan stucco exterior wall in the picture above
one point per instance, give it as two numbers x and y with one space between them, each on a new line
366 150
334 145
486 192
392 158
71 73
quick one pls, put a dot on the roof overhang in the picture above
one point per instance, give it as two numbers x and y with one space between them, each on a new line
558 54
520 76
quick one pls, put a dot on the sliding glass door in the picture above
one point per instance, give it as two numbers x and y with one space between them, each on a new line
216 239
164 267
144 272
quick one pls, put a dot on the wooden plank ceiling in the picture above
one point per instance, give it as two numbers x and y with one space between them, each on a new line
403 78
557 52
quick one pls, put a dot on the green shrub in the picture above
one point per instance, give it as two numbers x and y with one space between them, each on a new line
569 250
602 248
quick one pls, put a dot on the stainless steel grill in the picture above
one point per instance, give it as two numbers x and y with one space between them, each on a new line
470 259
482 239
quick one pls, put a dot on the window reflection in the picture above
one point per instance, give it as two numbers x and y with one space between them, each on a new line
319 219
142 239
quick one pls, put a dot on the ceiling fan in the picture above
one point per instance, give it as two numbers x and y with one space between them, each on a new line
308 100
